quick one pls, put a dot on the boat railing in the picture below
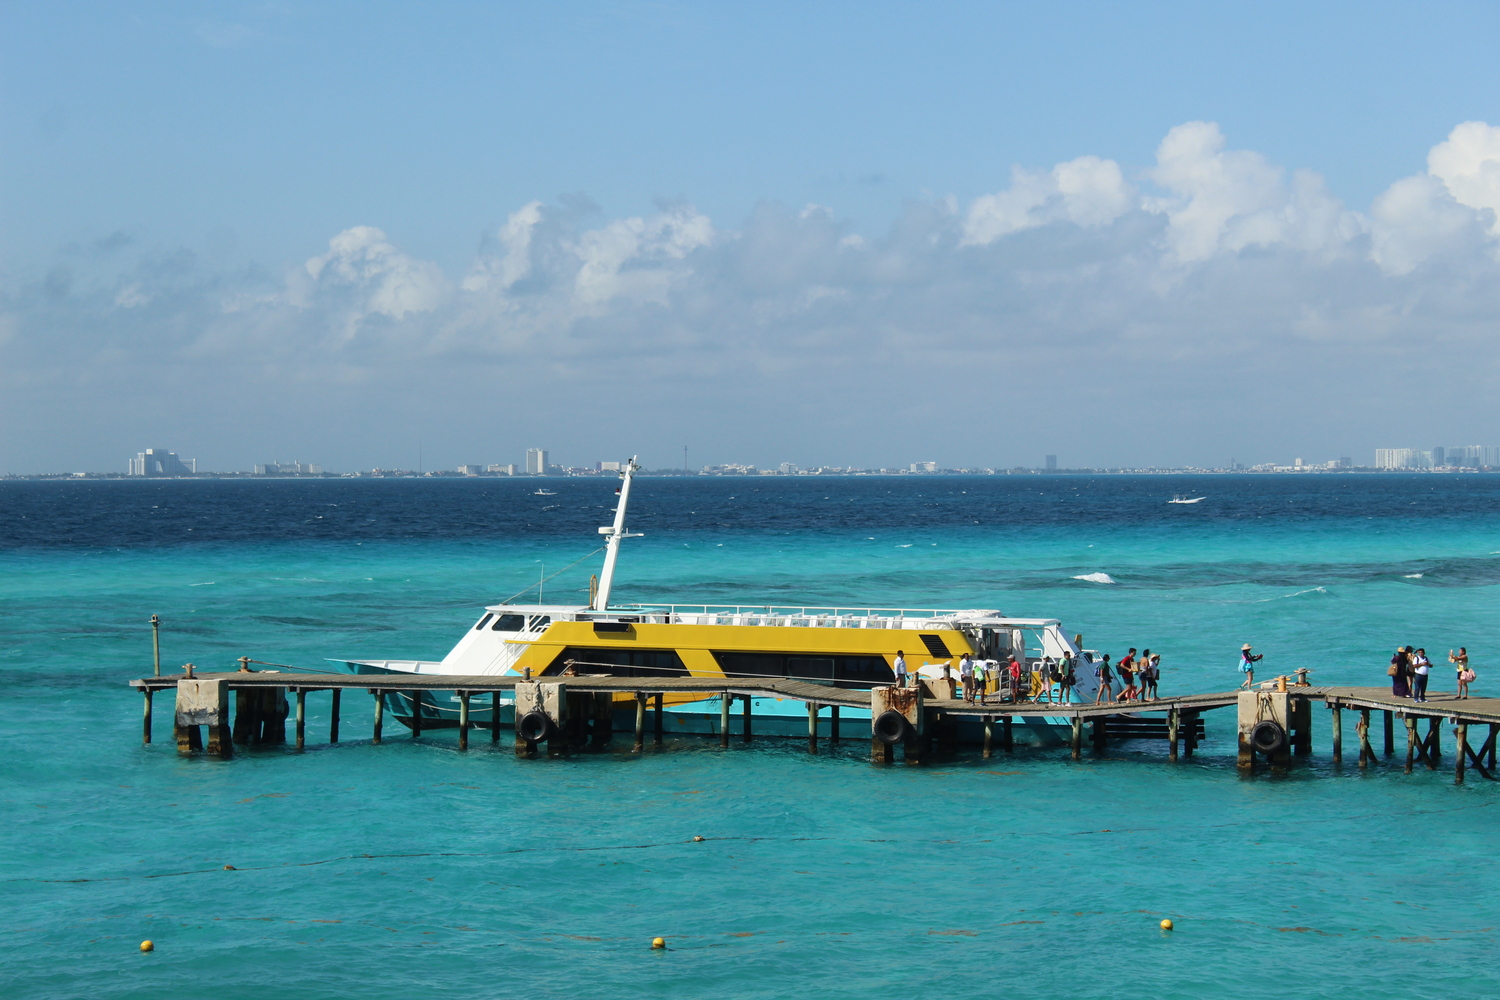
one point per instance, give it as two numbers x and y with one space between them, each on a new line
795 617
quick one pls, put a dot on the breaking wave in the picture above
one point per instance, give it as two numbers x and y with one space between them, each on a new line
1095 578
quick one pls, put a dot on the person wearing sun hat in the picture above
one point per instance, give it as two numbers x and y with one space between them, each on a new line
1247 665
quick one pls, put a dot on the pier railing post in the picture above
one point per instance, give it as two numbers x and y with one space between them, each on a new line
463 720
333 721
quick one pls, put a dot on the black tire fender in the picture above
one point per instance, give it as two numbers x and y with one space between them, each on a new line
891 727
534 727
1268 737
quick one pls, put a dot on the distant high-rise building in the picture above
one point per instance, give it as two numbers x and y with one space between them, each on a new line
470 470
924 467
608 466
1437 458
160 462
288 469
1051 463
787 469
504 470
1397 458
536 461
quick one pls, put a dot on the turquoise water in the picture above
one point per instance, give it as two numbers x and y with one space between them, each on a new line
409 869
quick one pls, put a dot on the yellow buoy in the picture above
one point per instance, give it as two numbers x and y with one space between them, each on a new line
658 942
1166 925
147 946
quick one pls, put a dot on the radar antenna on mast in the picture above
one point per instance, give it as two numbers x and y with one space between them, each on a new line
615 533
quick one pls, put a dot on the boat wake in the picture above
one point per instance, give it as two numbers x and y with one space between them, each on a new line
1095 578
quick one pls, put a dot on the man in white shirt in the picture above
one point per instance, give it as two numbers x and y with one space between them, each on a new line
900 666
966 675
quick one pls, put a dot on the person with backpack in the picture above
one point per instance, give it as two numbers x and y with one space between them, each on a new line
1153 674
1106 681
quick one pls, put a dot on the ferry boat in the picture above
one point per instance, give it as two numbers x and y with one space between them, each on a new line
839 646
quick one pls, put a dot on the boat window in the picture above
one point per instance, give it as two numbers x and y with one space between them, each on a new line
818 668
540 622
620 662
484 621
509 623
842 671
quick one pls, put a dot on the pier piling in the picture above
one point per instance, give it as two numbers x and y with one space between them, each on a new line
301 719
833 725
1101 729
640 721
1007 735
656 734
1173 720
463 720
146 717
1362 728
1461 734
379 714
724 700
748 700
1411 742
1434 746
1337 725
333 719
495 717
1390 733
989 737
812 727
416 714
1077 737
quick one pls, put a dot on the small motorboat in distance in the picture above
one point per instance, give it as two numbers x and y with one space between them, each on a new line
544 493
1186 499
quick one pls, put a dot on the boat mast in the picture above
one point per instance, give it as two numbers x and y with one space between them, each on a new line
615 534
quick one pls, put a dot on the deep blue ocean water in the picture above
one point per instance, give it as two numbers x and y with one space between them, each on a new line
409 869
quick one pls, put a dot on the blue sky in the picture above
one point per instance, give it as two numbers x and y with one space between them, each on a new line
820 233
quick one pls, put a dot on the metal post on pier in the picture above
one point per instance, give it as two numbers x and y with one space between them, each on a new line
724 718
156 644
463 720
333 722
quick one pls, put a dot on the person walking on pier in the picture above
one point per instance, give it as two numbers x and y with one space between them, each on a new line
1421 667
1069 677
981 677
966 677
1399 671
1151 676
1460 661
1106 680
1247 665
900 667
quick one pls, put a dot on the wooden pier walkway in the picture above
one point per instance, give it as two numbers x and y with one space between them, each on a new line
1274 724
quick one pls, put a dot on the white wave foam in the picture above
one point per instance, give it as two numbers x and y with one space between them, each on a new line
1414 576
906 546
1282 597
1095 578
208 584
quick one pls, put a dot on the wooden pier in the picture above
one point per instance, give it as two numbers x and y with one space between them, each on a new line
1274 722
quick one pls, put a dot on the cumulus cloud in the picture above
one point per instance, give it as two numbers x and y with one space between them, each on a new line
1087 191
1209 260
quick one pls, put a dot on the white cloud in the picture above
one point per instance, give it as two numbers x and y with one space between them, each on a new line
515 236
1088 191
625 258
1468 164
383 280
